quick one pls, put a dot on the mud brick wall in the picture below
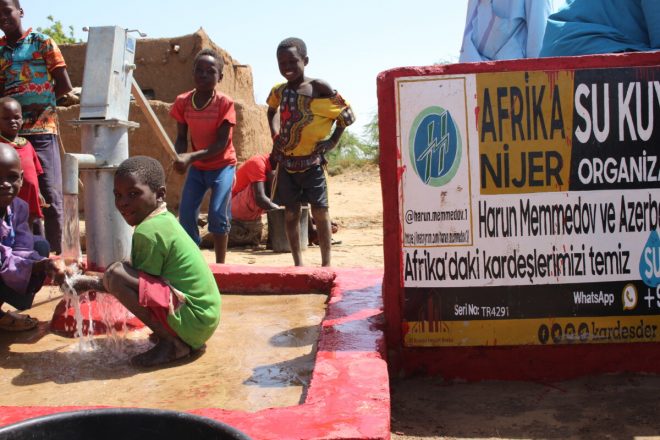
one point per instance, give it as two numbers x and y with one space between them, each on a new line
164 70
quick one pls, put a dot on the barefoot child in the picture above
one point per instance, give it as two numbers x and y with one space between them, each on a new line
209 116
11 121
167 284
309 108
23 262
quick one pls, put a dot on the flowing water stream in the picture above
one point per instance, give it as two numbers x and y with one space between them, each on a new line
71 251
112 315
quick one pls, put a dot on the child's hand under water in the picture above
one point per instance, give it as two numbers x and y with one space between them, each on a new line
53 268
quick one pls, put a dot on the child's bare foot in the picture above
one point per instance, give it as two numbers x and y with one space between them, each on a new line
165 351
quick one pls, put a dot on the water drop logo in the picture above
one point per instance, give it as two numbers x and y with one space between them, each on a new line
435 146
649 262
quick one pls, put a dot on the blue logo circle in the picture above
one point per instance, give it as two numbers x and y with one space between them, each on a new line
435 146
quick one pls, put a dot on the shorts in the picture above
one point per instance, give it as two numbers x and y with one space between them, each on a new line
155 295
308 186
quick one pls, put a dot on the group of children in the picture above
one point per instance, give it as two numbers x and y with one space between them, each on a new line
32 77
167 283
308 110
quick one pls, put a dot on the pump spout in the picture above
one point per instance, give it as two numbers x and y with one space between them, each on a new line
71 249
70 169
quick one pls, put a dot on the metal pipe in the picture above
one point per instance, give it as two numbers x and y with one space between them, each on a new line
70 168
108 234
104 108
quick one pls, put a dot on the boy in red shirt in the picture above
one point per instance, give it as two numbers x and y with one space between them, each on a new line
11 121
210 117
250 195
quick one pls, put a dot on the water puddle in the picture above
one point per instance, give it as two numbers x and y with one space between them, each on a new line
261 356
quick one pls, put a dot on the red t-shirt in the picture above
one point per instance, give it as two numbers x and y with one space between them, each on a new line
203 127
31 170
252 170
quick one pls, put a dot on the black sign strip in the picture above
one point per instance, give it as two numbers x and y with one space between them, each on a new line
531 301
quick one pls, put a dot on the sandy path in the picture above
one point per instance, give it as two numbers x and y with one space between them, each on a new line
356 205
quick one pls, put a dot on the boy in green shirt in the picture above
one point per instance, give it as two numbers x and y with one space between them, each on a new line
168 285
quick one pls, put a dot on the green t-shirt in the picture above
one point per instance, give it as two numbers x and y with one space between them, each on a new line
163 249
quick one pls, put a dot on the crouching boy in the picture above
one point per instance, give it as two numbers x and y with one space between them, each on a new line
167 284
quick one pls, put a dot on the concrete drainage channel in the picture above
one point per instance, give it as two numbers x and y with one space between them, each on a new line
348 396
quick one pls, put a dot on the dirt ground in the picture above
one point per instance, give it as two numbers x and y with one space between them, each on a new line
356 205
625 406
622 406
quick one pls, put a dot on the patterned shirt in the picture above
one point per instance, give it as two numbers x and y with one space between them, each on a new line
304 122
26 75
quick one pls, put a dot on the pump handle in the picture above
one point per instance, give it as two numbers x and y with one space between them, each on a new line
153 121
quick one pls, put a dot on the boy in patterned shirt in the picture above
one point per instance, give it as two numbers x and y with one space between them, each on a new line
309 109
33 71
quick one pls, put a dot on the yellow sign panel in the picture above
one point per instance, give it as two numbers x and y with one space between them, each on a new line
524 122
541 331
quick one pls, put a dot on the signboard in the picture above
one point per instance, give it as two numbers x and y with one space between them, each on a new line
530 207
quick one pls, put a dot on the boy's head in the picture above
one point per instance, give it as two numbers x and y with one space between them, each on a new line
11 14
293 42
11 175
292 59
207 69
139 188
11 118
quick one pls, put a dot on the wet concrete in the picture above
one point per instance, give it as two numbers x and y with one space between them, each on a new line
261 356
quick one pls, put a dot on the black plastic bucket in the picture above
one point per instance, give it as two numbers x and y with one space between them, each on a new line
120 423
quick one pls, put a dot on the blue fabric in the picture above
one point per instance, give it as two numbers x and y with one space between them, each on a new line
17 260
197 183
583 27
23 301
50 185
504 29
9 239
41 246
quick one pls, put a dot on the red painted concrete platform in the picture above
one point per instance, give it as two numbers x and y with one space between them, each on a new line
348 397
